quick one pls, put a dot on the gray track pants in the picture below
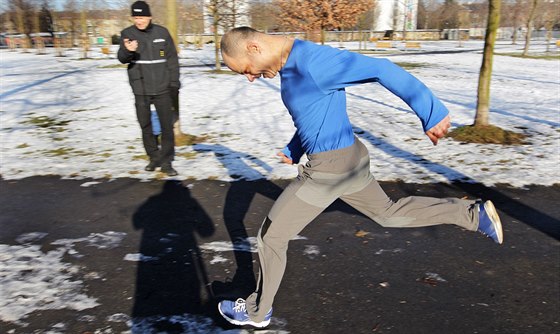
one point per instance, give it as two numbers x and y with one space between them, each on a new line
327 176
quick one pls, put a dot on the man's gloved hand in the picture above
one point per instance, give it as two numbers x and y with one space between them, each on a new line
173 91
174 94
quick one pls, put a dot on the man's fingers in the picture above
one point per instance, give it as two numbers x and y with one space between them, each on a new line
432 137
439 130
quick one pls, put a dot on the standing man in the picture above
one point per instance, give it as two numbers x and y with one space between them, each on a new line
313 79
153 72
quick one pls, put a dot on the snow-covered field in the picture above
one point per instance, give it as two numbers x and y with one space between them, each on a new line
75 118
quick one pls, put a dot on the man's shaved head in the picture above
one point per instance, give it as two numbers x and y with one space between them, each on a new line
231 41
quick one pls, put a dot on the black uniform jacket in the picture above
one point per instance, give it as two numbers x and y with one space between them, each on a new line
154 67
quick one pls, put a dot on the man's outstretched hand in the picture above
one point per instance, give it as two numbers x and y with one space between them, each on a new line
439 130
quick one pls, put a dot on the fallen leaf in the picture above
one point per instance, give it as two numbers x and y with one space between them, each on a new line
361 233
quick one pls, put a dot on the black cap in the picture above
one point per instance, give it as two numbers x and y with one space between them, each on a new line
140 8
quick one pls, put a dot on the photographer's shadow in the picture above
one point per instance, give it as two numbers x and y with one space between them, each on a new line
170 270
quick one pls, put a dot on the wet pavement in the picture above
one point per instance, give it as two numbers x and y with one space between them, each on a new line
91 256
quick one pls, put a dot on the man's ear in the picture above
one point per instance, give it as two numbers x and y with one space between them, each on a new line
253 47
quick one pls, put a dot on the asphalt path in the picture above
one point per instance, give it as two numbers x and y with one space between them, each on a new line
346 274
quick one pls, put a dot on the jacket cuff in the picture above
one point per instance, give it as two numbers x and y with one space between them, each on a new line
294 156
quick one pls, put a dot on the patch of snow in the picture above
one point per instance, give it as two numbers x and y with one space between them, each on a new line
245 124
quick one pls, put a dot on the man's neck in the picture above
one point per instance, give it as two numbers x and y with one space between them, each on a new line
286 47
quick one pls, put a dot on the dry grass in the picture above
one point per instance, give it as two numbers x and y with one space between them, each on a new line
487 134
188 140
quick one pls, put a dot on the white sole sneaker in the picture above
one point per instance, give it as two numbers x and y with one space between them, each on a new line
261 324
495 218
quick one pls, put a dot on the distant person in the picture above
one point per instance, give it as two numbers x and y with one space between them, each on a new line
313 79
153 73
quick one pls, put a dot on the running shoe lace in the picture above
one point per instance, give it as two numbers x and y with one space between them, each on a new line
239 305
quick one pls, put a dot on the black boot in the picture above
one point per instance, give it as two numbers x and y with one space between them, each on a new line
151 166
168 169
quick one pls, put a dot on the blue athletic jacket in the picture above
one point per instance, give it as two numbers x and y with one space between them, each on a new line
312 87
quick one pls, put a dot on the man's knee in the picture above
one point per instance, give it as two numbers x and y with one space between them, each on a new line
271 237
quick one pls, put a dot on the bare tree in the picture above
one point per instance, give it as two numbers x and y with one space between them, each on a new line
37 39
172 27
478 14
217 17
224 14
530 18
84 36
513 14
321 15
548 16
483 101
171 20
71 16
192 20
263 16
449 15
481 131
232 12
23 20
427 14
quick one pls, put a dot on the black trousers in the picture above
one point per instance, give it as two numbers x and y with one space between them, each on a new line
162 103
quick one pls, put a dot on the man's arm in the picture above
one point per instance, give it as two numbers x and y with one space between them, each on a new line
127 48
348 68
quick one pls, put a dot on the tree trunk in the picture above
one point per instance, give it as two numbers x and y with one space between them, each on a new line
532 12
39 43
549 26
404 24
85 38
217 40
21 28
171 23
483 101
217 49
172 27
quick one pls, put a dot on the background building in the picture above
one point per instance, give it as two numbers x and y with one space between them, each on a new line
395 15
229 13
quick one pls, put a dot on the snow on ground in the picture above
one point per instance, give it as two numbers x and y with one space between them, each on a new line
33 281
75 118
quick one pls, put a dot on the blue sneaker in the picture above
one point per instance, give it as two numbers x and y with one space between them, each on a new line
236 313
489 222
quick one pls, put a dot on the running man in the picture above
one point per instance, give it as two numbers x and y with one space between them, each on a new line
313 78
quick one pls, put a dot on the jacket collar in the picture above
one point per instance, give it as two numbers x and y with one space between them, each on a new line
148 28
